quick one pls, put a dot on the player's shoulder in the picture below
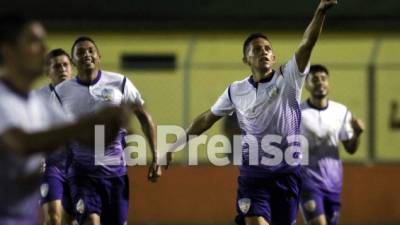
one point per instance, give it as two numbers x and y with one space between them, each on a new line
240 85
336 106
65 85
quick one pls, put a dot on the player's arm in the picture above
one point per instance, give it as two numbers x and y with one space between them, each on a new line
202 123
312 34
26 143
149 131
352 144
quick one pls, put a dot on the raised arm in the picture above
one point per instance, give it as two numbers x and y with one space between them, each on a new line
312 33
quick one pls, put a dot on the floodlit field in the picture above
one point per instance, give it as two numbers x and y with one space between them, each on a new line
216 62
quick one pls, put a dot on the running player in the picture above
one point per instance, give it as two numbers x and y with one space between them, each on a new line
100 190
29 126
325 124
267 103
56 201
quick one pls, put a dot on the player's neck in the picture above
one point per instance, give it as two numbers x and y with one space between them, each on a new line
88 76
257 75
319 103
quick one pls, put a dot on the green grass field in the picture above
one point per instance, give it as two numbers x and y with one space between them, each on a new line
345 54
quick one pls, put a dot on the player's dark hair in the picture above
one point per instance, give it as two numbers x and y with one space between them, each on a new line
250 38
318 68
54 53
82 39
11 25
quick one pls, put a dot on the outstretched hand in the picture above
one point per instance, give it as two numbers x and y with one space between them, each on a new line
324 5
154 172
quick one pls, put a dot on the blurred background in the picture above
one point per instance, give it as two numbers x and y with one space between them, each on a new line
181 55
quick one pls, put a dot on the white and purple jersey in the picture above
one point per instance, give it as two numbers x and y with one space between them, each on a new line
324 129
20 177
269 107
59 158
80 99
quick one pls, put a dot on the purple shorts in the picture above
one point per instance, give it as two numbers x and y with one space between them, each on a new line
274 198
316 202
107 197
54 186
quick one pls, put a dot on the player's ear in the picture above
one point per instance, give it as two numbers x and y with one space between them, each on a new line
274 58
245 60
74 62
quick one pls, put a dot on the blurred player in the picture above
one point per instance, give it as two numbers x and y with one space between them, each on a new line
100 192
30 126
58 67
267 103
56 201
325 124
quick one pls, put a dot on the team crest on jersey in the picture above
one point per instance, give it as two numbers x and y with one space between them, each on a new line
44 189
107 94
244 204
310 206
80 206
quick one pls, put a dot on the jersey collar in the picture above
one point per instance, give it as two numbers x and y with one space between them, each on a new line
315 107
264 80
93 82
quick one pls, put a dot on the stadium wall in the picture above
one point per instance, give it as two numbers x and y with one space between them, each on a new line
206 195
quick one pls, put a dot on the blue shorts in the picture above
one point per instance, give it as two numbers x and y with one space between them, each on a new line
316 202
275 198
106 197
54 186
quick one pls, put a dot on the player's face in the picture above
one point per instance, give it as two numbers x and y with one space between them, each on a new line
30 50
86 56
260 55
60 69
318 84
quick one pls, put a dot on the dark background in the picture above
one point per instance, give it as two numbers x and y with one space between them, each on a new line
206 14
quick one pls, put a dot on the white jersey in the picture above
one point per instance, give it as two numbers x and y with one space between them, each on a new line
44 92
20 174
80 99
324 129
269 107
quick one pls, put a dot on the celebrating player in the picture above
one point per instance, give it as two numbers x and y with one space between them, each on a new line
325 124
267 105
99 188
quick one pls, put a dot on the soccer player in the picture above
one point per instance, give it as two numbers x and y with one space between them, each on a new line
325 124
29 126
267 103
55 195
100 190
